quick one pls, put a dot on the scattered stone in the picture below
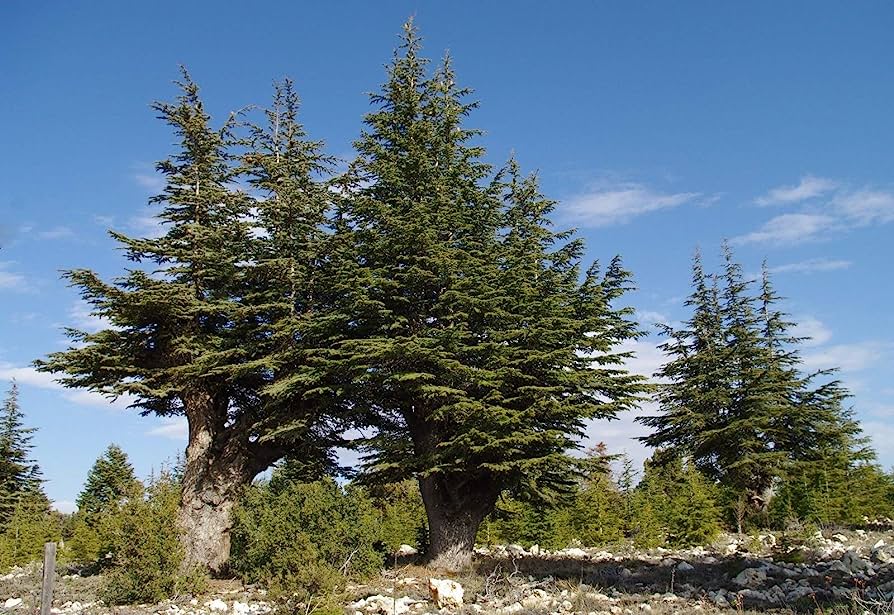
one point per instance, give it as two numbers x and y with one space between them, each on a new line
217 605
406 551
685 567
516 550
12 603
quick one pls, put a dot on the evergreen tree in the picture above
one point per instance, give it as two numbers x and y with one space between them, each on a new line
190 336
110 480
474 340
19 474
680 500
28 528
735 399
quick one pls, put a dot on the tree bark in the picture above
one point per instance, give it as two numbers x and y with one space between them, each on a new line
219 463
455 506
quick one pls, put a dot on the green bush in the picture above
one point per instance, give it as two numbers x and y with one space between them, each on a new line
402 515
304 540
145 547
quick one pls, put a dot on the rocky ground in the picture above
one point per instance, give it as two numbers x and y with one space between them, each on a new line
842 572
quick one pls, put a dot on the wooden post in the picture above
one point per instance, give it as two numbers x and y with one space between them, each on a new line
49 578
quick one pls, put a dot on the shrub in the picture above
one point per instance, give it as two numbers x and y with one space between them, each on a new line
402 515
304 540
146 549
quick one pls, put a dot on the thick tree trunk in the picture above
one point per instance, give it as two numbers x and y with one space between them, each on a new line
219 463
455 506
206 504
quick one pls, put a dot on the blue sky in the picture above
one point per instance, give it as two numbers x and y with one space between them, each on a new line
658 126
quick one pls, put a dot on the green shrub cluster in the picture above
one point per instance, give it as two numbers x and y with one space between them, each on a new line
145 550
673 505
305 540
833 494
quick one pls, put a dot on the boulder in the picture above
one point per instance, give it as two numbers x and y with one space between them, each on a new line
12 603
685 567
446 593
855 563
750 577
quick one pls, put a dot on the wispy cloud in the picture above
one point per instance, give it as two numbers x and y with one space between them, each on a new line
789 229
175 428
812 265
864 207
83 318
652 317
153 183
57 232
813 329
620 203
841 209
10 280
847 357
29 376
808 188
146 226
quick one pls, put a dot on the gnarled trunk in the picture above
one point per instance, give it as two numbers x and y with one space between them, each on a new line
455 505
219 463
206 503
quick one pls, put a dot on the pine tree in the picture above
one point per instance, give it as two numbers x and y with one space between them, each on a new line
110 480
19 474
473 341
189 334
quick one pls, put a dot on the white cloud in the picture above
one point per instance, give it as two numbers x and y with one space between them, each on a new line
176 428
812 265
789 229
146 226
846 357
864 207
652 317
844 209
812 328
29 376
66 507
647 357
620 436
9 280
882 435
152 183
619 204
808 188
57 232
84 320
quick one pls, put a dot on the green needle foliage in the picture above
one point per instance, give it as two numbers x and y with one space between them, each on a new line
197 326
735 398
19 474
477 347
110 480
